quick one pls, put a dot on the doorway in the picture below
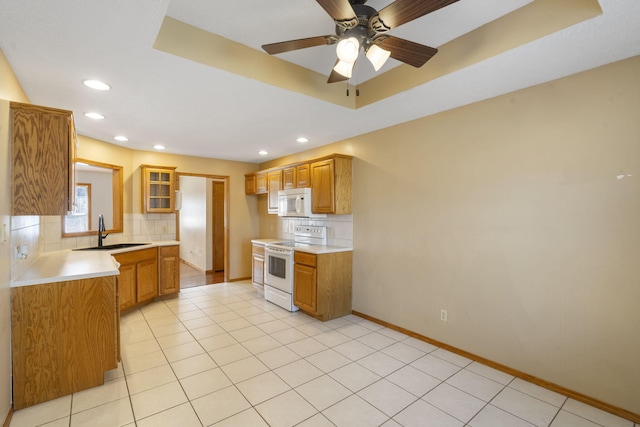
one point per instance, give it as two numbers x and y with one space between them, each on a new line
202 228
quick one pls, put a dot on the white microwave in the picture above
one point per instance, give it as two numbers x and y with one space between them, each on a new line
296 202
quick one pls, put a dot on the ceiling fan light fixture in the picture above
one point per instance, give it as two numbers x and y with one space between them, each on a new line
348 49
344 68
377 56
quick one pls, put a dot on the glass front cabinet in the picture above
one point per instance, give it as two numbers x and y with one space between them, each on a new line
158 189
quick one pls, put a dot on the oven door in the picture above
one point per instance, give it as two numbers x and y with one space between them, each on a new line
279 268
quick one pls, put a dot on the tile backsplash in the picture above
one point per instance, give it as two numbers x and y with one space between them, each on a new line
339 228
25 231
41 234
137 228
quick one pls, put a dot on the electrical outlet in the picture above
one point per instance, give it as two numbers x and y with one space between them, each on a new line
444 315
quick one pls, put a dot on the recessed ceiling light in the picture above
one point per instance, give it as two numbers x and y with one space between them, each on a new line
302 140
121 138
159 147
96 84
95 116
263 152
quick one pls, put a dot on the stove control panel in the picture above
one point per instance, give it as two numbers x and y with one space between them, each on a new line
316 235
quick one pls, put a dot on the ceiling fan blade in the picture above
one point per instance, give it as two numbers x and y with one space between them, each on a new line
336 76
287 46
409 52
338 10
402 11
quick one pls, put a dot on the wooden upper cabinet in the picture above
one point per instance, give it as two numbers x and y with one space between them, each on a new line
331 186
274 184
158 189
261 183
302 175
329 177
42 151
250 184
289 178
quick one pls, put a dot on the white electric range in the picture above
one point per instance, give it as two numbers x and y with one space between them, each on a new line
278 258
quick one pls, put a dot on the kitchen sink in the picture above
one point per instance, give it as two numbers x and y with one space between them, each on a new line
111 247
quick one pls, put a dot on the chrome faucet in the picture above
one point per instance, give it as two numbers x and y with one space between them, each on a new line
101 229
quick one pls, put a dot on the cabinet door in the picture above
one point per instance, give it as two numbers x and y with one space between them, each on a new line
303 179
257 264
323 187
274 183
64 338
42 168
147 279
261 183
127 286
250 184
169 278
305 287
289 178
158 189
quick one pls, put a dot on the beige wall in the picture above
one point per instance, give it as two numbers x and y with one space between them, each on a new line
508 214
10 88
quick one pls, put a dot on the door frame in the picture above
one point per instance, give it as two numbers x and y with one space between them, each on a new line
222 178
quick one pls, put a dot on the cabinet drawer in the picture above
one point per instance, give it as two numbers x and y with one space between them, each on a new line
258 249
305 258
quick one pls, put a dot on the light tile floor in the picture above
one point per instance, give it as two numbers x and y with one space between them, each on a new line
221 355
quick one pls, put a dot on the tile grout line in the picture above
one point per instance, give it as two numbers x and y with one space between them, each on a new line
292 324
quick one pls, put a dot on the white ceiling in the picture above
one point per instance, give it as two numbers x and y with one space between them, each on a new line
193 109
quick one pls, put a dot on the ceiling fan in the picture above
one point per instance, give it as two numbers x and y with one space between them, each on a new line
360 26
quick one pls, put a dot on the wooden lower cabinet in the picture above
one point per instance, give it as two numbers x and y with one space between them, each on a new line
322 283
257 267
147 277
169 270
127 285
306 288
138 280
64 338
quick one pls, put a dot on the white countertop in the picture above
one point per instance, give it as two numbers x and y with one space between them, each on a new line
313 249
265 241
323 249
67 265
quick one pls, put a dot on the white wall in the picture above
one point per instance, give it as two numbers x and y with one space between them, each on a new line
101 196
193 221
